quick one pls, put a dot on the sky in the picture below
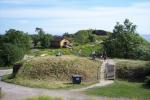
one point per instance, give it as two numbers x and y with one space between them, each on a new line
59 16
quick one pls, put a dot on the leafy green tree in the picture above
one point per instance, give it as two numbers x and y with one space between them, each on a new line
83 36
40 32
43 38
123 41
66 34
17 37
35 39
10 54
92 38
13 45
46 41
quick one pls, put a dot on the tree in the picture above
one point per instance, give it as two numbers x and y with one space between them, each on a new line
92 38
13 45
17 37
35 39
123 41
46 41
40 32
66 34
43 38
10 54
84 36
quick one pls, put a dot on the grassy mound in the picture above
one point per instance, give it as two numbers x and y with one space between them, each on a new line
132 70
59 68
56 72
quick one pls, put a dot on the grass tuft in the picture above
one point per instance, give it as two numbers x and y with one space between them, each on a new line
44 97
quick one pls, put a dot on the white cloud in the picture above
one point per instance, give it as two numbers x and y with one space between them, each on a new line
75 19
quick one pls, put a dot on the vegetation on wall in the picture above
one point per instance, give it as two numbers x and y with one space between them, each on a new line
132 70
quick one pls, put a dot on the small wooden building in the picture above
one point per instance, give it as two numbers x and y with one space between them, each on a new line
60 42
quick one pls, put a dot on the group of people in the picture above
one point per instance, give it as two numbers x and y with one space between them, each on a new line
103 55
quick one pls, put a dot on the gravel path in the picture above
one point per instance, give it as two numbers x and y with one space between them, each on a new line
16 92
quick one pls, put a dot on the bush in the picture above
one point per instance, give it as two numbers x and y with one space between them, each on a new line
10 54
1 62
132 70
17 37
147 81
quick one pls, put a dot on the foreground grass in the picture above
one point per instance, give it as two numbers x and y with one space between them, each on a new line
122 89
45 84
44 97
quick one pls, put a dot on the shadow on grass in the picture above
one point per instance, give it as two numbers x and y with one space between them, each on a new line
145 86
71 84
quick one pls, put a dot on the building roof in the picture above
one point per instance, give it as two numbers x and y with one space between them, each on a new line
58 38
99 32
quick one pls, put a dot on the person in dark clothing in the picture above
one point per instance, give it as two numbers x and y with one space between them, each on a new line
93 55
104 55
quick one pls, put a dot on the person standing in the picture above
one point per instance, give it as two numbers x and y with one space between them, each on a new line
104 55
93 55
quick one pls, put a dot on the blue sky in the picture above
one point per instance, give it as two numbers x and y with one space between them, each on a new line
59 16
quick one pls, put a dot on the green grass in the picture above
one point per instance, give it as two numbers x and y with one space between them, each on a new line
44 97
45 83
4 68
131 63
122 89
59 68
86 50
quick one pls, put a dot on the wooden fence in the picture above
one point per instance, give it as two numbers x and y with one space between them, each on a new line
110 71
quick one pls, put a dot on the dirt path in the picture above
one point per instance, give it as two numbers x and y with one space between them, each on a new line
16 92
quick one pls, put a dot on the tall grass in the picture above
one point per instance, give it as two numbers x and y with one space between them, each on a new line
56 72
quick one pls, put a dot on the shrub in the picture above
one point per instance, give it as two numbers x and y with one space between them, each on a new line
132 70
10 54
17 37
147 81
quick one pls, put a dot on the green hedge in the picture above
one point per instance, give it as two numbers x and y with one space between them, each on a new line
133 70
147 81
